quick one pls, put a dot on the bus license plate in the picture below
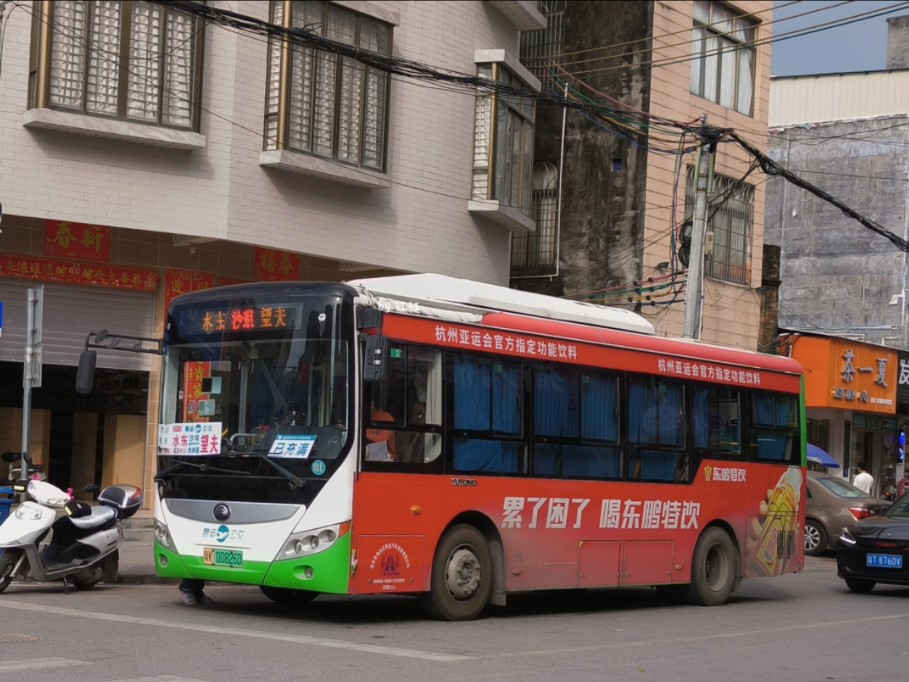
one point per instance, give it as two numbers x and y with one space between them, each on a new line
884 560
222 557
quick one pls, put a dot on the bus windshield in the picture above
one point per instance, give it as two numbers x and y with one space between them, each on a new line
255 389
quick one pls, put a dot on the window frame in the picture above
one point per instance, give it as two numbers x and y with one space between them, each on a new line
489 152
41 66
728 200
731 33
282 88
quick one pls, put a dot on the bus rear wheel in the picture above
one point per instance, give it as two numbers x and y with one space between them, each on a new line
714 569
461 576
287 595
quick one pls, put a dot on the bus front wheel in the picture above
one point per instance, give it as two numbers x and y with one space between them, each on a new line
461 576
713 569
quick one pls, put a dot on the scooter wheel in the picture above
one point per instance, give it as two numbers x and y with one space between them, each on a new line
87 579
8 560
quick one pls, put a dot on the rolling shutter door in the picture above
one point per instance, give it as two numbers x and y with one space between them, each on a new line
70 313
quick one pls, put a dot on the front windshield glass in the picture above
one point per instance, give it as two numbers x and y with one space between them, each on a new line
256 393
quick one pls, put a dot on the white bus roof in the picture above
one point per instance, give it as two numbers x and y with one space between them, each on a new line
431 289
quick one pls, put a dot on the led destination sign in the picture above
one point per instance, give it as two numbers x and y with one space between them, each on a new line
263 318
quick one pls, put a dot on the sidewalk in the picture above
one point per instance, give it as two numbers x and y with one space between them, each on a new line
137 564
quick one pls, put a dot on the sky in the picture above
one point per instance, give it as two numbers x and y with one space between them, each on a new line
857 46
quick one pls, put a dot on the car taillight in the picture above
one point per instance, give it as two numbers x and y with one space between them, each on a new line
861 513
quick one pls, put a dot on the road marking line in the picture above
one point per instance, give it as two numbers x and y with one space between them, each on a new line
239 632
38 663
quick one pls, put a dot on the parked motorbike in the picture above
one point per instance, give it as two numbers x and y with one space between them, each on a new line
84 539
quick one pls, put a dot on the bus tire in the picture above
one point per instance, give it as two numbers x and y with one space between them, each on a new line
461 580
714 569
287 595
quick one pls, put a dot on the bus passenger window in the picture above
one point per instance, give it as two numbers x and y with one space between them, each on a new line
774 427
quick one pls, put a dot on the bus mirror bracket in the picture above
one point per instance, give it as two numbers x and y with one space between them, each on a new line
369 318
88 358
375 368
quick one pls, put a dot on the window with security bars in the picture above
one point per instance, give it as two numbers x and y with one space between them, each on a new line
535 254
503 142
539 49
722 56
730 220
321 102
128 60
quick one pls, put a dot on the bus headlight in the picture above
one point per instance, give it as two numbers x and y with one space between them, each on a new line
313 541
162 535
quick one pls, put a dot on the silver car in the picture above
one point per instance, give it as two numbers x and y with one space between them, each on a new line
834 504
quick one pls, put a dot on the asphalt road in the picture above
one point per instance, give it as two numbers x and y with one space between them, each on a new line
801 627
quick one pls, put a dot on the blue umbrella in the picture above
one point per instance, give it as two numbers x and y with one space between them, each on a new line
815 454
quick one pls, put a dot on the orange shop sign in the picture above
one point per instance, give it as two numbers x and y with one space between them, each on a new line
847 374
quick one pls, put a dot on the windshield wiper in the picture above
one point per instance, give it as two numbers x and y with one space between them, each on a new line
294 480
203 467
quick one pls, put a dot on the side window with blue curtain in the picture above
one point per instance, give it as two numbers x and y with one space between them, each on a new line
488 404
575 414
716 424
774 427
656 428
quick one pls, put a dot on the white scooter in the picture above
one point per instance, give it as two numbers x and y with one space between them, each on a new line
84 539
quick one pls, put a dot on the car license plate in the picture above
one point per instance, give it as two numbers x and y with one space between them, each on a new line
884 560
222 557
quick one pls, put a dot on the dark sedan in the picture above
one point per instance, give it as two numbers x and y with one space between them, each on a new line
876 550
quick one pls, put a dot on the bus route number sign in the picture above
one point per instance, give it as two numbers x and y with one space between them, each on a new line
222 557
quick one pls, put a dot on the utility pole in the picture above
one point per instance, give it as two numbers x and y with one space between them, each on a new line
31 374
694 288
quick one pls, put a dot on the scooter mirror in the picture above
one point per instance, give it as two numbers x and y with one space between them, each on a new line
11 457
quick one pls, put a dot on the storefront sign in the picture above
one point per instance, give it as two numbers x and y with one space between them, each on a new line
275 266
848 374
76 240
74 272
902 390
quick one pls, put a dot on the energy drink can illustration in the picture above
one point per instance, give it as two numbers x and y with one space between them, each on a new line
776 543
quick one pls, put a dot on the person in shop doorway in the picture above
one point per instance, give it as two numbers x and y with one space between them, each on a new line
192 592
903 486
863 480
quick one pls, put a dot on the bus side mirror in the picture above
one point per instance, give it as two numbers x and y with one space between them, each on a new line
375 368
85 375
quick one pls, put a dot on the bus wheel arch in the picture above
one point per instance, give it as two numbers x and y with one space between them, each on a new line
715 567
467 570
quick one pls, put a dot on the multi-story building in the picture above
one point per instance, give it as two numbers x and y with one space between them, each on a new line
146 151
844 283
614 193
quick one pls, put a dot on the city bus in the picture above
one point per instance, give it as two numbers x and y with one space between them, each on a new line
461 442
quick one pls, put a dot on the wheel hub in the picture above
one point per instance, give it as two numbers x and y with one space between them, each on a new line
464 573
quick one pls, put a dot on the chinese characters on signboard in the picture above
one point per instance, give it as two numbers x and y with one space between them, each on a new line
76 240
182 439
73 272
273 265
860 373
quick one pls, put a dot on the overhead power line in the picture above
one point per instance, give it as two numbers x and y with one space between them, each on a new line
411 69
771 167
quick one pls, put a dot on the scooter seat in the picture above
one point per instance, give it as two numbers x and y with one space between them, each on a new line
99 517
